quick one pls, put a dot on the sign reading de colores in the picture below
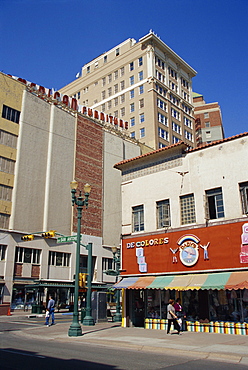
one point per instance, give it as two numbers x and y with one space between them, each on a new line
187 246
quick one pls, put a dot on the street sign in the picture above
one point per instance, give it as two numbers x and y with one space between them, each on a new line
67 239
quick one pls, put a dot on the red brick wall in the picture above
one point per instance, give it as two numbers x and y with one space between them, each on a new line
89 169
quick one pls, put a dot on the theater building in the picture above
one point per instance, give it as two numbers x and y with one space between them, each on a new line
185 234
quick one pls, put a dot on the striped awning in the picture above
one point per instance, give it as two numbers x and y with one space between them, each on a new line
218 280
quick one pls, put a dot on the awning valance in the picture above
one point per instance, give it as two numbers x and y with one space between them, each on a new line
218 280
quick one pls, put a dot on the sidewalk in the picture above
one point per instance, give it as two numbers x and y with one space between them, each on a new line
223 347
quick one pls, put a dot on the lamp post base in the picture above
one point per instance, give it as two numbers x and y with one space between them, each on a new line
88 321
75 330
118 317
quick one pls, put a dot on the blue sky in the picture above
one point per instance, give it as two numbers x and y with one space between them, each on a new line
48 41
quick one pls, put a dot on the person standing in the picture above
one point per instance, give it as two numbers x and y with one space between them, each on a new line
180 314
50 309
172 317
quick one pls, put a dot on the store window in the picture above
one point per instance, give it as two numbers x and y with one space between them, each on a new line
138 218
214 204
243 187
187 207
163 214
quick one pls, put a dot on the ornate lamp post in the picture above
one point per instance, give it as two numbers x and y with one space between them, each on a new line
117 260
75 329
88 319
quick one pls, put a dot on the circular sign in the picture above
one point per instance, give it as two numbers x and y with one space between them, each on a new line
189 253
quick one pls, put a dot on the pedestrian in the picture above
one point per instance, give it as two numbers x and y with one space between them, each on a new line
50 311
180 314
172 317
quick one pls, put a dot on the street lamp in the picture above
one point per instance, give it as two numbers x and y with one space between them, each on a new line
75 329
88 319
117 260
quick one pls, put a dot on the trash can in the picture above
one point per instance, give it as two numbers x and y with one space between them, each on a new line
39 308
83 314
34 308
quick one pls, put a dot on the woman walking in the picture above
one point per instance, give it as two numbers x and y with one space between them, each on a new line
172 317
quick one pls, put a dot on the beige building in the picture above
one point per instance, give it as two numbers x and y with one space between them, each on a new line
145 83
208 120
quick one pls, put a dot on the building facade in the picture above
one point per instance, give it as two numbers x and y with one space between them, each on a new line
208 121
46 142
185 235
145 83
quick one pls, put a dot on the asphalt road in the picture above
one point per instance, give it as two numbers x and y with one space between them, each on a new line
19 353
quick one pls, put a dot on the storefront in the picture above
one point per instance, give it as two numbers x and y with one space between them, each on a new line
206 267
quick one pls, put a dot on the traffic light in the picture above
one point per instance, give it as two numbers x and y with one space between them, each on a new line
27 237
82 279
49 234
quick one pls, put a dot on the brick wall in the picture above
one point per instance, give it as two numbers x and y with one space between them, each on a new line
89 169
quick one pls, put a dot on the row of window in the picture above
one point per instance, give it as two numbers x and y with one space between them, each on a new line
8 139
142 133
214 208
162 91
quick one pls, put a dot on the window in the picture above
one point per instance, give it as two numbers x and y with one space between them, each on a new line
142 132
105 59
161 145
122 98
7 165
107 264
5 192
88 69
131 94
141 89
132 134
176 127
103 94
163 134
172 73
214 204
122 111
162 119
131 79
138 218
161 90
103 107
78 95
110 78
174 100
109 91
132 121
206 115
185 83
161 104
207 124
142 117
187 207
8 139
175 139
27 255
131 66
173 86
188 135
103 81
4 221
110 104
243 188
116 74
117 52
175 113
132 107
116 113
140 61
11 114
59 259
115 101
141 103
208 134
122 85
186 109
2 252
141 76
187 122
116 88
122 71
163 214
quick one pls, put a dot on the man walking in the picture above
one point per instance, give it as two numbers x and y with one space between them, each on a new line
171 316
50 309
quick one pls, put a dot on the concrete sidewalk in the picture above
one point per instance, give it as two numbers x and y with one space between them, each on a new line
224 347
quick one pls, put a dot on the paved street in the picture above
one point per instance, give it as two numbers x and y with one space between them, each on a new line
27 341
